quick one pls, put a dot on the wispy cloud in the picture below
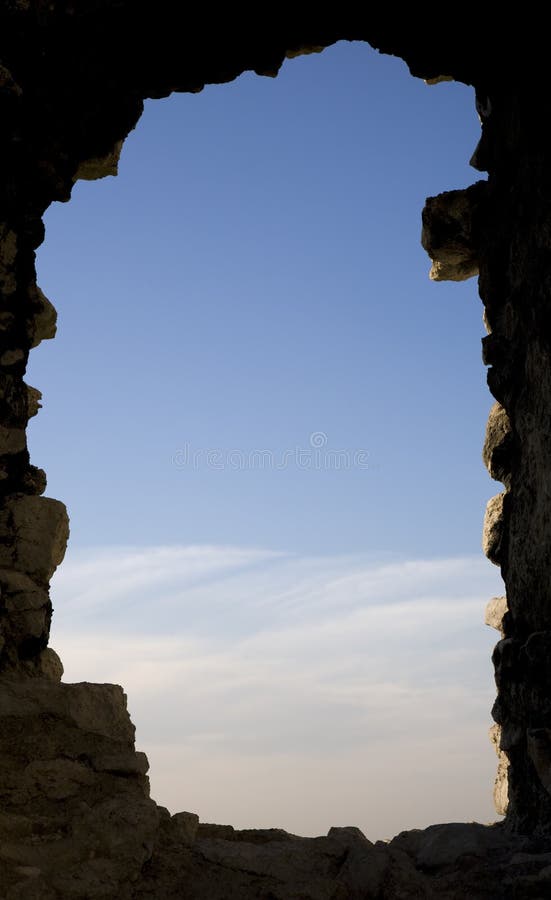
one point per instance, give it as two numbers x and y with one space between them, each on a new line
270 689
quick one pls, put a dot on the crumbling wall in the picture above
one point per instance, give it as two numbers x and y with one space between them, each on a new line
76 818
502 228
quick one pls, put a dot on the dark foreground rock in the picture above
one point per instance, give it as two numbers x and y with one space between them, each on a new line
76 821
446 862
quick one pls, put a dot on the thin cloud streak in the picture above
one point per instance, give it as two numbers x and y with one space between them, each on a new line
369 685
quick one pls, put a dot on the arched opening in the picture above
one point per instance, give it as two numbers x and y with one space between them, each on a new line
348 354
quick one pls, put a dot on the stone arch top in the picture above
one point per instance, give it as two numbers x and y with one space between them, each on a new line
74 74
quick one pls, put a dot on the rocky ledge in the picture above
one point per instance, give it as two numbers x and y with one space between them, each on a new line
77 821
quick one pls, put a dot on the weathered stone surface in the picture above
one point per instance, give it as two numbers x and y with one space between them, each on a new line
100 166
12 440
91 828
495 611
342 866
121 764
33 481
209 830
450 233
35 531
497 451
12 357
42 325
539 751
186 826
438 79
49 665
443 845
493 530
8 254
19 591
501 783
34 397
18 401
25 613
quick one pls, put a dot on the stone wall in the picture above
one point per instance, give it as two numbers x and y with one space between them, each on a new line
76 819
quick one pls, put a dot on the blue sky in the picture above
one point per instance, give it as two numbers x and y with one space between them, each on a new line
252 287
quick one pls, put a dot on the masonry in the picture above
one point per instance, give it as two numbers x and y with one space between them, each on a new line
76 818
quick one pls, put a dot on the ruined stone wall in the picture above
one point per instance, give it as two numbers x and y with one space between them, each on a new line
515 288
502 229
76 819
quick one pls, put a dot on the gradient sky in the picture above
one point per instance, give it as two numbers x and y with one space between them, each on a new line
266 423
